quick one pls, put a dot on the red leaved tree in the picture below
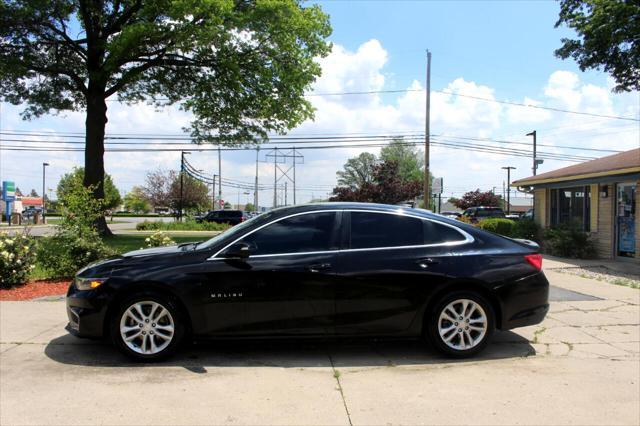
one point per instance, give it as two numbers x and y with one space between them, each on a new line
478 198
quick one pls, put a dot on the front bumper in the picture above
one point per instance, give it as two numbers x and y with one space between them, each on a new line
524 302
86 312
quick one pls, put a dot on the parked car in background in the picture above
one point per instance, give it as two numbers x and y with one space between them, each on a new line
451 214
232 217
478 213
30 212
316 270
528 215
512 216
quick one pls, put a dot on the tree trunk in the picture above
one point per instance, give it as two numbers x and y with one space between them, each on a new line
94 149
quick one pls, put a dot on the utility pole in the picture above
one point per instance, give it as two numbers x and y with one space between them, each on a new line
213 193
535 162
294 177
426 133
219 174
182 154
508 169
285 193
275 179
255 192
44 206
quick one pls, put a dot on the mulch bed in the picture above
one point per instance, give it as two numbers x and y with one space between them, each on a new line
34 290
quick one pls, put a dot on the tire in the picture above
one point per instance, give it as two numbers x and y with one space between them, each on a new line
460 338
147 327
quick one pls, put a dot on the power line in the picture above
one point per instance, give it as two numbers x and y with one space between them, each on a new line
295 140
447 92
448 144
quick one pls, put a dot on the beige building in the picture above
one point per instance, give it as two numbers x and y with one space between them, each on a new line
600 195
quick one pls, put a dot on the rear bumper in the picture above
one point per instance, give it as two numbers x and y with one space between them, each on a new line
524 302
86 312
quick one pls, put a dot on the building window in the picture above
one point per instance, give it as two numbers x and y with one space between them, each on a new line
571 206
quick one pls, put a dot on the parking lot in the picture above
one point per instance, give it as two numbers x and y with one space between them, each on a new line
580 366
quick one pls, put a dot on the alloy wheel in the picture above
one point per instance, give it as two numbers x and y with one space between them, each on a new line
147 327
462 324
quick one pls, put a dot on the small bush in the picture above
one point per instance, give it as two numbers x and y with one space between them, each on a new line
181 226
17 257
568 241
527 229
159 239
500 226
76 242
63 254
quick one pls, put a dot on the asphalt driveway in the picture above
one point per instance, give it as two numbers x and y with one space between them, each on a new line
581 366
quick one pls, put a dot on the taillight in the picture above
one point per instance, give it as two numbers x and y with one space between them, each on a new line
534 260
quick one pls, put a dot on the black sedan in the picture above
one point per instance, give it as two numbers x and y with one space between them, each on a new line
335 269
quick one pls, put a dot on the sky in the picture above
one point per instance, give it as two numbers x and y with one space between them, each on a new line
499 50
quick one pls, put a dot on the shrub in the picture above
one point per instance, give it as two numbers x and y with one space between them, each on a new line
527 229
500 226
76 242
159 239
181 226
17 257
568 241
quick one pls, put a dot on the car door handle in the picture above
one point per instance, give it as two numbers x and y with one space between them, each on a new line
425 262
317 267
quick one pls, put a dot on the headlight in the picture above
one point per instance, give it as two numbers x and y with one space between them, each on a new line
88 283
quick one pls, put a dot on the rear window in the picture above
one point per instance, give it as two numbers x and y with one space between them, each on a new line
376 230
230 213
369 230
436 233
490 213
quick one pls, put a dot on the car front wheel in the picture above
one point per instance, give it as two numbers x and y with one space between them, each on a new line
461 324
147 327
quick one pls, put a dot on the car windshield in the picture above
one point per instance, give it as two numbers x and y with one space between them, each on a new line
236 230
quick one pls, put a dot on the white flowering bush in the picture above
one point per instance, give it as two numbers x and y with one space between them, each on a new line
159 239
76 242
17 257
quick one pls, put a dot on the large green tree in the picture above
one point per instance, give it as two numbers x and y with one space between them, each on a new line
409 158
193 197
608 37
357 171
136 201
240 66
70 181
386 187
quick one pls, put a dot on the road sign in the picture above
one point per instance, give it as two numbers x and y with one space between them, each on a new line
436 186
8 191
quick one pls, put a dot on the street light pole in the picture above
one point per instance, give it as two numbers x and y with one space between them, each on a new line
44 204
508 169
535 162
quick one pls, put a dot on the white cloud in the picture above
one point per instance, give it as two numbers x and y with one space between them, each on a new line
364 70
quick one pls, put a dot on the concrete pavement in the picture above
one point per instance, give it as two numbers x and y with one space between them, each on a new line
580 366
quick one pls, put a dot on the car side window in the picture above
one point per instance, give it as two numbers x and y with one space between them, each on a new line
303 233
436 233
371 230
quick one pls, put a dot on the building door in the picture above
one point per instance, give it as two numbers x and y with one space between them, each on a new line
625 219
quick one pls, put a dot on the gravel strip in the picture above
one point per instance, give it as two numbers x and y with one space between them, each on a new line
602 273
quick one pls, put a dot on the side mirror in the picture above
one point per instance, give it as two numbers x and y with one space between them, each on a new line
237 251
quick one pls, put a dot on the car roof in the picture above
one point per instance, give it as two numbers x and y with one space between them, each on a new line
283 211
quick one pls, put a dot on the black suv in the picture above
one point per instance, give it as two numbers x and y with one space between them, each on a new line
232 217
479 213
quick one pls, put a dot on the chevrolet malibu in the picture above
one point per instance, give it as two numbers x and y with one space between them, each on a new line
321 270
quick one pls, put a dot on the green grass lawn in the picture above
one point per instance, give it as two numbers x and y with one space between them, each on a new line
57 220
125 243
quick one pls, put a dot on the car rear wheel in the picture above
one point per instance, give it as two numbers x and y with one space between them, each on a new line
461 324
147 327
